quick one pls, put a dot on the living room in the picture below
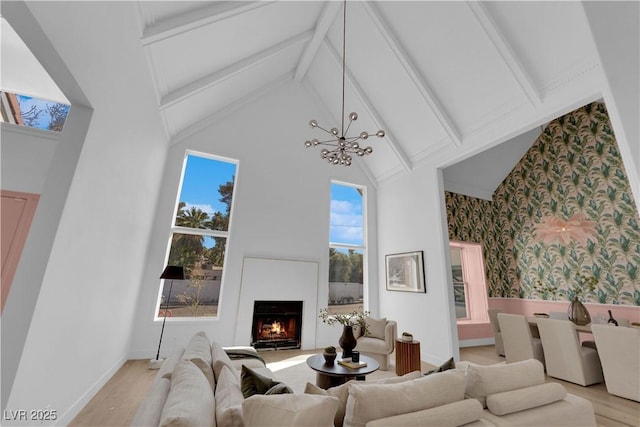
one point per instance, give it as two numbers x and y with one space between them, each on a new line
85 293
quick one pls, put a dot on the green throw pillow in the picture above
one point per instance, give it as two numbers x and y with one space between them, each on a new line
449 364
254 383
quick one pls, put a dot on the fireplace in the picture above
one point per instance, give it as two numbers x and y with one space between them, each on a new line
276 324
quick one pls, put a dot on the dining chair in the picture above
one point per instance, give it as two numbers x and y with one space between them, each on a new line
495 326
619 350
566 358
519 344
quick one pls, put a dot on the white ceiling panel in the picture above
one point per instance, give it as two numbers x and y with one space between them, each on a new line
551 37
208 102
192 55
456 58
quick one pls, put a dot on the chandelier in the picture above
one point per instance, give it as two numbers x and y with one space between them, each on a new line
339 147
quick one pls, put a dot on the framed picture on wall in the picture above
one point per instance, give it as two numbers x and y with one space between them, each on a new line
405 272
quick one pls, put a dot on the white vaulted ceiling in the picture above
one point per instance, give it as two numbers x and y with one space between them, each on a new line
444 79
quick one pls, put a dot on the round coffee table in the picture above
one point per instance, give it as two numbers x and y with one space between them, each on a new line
336 374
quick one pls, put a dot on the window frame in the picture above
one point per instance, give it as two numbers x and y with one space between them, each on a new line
350 246
475 282
177 229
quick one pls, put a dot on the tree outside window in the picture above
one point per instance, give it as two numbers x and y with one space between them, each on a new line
199 237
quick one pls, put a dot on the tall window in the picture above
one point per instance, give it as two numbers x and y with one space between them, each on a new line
199 236
469 284
347 249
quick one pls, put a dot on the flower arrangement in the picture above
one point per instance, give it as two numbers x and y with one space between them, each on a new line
345 319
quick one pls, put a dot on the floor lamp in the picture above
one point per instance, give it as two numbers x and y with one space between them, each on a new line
171 272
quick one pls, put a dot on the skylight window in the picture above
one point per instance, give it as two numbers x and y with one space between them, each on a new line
28 96
33 112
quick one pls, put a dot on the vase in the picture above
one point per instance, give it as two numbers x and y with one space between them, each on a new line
578 313
329 358
347 341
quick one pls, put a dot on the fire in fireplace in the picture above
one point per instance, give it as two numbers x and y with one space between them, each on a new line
276 324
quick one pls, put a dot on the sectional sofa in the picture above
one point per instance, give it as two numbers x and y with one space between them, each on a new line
203 386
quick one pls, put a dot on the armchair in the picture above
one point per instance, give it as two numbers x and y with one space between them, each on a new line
380 341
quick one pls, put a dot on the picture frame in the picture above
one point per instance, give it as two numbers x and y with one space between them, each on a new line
405 272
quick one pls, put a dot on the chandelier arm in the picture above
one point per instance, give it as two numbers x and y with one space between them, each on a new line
320 127
347 129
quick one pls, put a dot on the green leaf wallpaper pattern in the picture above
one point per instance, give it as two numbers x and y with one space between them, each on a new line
574 167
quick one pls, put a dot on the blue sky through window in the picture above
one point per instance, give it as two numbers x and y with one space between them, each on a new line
346 222
202 177
44 118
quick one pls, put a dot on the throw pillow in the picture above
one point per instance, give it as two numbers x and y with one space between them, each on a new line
190 402
279 388
342 391
284 410
254 383
449 364
220 359
375 327
525 398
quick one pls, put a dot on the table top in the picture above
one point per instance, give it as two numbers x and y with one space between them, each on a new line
317 363
580 328
401 341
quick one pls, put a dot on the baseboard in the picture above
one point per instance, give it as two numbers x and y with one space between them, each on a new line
75 409
476 343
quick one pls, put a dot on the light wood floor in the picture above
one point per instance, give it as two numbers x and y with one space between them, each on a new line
115 404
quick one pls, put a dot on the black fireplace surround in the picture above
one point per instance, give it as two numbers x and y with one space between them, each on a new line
276 324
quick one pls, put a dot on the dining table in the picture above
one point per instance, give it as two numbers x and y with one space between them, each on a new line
533 324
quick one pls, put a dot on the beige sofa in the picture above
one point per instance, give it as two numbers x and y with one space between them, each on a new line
201 386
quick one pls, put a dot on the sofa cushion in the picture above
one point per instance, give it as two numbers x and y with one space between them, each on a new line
190 402
169 364
483 381
229 399
451 414
342 391
149 412
220 359
375 327
283 410
525 398
375 401
198 350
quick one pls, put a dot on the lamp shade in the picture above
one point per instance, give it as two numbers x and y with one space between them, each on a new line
173 272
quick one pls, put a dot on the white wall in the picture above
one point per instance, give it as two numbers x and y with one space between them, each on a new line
67 321
412 217
280 210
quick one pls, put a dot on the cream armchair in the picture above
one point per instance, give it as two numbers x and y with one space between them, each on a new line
380 341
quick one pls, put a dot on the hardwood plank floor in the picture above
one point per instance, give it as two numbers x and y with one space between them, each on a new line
115 404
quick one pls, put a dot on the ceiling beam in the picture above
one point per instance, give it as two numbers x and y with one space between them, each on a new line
506 52
423 87
239 103
191 20
230 71
327 17
377 119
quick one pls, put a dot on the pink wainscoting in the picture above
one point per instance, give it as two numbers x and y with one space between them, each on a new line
481 331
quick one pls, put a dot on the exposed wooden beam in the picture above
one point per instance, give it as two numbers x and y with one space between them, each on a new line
423 87
377 119
191 20
232 70
506 52
327 17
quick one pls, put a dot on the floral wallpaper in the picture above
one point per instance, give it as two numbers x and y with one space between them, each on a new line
571 182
